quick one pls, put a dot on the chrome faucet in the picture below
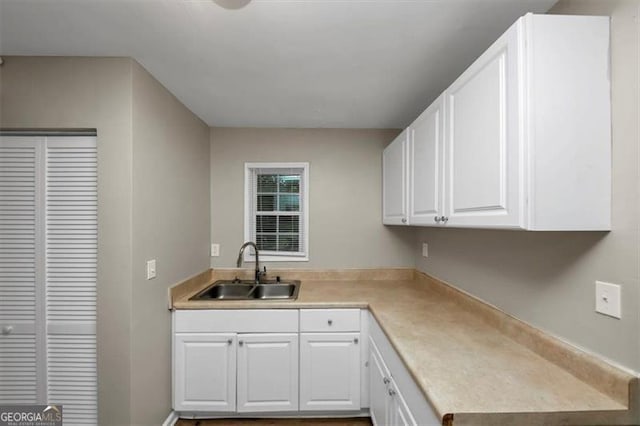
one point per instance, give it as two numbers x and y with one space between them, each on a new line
239 262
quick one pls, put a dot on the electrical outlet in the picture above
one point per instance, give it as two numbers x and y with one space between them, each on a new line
151 269
608 299
215 250
425 250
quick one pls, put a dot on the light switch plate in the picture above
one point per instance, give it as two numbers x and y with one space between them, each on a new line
425 250
215 250
608 299
151 269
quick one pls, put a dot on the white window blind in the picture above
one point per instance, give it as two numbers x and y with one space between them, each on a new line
276 210
48 263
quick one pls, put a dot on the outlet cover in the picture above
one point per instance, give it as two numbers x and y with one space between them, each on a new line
215 250
608 299
151 269
425 250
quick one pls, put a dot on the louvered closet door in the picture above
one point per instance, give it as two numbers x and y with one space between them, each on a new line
71 267
48 254
20 341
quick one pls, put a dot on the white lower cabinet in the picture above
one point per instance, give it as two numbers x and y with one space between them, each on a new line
234 363
329 371
394 397
379 377
205 372
267 372
388 407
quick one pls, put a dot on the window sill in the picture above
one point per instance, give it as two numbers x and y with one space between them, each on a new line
267 258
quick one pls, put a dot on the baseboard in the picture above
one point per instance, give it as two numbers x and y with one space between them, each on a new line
172 419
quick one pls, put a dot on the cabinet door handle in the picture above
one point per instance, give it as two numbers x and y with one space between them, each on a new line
445 219
330 322
355 340
404 220
240 343
437 219
229 342
385 380
392 392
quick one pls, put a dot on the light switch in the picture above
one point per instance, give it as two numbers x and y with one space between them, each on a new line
215 250
608 299
151 269
425 250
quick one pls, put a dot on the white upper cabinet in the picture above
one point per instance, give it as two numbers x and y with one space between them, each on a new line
482 180
425 152
521 140
394 183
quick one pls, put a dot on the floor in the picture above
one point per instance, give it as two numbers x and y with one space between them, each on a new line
360 421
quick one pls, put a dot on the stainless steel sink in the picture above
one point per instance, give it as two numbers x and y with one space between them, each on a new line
276 291
225 290
248 290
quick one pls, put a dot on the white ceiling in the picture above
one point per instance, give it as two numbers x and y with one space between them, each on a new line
276 63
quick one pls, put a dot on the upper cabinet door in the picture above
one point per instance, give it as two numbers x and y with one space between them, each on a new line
426 139
394 181
483 145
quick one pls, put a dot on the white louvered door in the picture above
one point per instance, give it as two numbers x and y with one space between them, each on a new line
48 265
20 343
71 256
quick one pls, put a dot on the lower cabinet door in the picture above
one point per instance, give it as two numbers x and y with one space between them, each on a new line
379 378
399 411
204 372
329 371
267 372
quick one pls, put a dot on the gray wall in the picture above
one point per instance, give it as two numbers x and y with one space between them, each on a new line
345 224
90 93
170 224
153 202
547 279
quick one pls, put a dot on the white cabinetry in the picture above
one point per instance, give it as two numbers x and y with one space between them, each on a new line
267 372
425 157
205 372
394 181
225 361
330 360
394 398
520 140
388 407
483 146
257 361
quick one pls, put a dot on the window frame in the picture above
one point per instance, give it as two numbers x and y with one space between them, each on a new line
249 168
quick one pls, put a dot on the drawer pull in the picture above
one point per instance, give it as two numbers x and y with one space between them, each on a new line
240 343
229 342
355 340
330 322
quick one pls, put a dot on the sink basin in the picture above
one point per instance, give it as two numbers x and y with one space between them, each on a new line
276 291
248 290
225 290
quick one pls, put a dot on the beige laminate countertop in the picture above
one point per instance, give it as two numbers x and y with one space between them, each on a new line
467 368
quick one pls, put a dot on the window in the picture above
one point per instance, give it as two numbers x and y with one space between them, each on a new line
277 210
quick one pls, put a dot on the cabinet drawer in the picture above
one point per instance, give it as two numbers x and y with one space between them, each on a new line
236 321
329 320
